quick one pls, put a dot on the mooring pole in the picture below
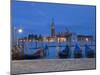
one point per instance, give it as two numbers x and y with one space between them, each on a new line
22 47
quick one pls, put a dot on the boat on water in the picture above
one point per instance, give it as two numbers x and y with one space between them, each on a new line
64 53
77 51
89 52
39 53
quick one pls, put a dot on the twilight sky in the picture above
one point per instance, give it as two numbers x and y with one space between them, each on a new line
36 18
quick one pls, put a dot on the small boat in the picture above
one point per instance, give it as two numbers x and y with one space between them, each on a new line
89 52
39 53
77 51
64 53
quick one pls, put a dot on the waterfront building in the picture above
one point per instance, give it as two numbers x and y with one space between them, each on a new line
62 36
84 37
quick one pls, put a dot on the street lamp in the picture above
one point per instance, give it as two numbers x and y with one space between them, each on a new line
20 30
16 32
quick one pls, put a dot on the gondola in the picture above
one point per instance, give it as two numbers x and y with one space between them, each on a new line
64 53
89 52
39 53
77 51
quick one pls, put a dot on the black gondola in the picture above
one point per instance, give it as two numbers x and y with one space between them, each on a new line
77 51
36 55
89 53
64 53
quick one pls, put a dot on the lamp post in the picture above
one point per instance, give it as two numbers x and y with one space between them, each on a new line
20 30
15 40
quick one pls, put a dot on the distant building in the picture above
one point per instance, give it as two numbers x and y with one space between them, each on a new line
84 37
55 36
65 36
62 36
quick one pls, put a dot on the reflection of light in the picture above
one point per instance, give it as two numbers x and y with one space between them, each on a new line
58 39
74 41
87 39
20 30
30 40
51 40
20 40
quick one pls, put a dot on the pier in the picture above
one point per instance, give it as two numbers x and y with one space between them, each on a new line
51 65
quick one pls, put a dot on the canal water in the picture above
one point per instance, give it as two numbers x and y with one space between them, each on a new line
54 48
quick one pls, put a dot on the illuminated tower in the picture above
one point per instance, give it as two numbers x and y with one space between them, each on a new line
53 29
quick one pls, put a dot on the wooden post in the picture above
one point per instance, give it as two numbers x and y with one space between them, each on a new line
58 47
18 47
36 43
26 44
22 47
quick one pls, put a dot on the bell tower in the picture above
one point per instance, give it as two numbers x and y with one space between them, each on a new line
53 33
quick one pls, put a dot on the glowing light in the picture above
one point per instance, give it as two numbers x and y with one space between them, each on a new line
20 30
30 40
20 40
51 40
87 39
62 39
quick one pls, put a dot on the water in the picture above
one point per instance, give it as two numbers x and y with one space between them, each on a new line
53 48
51 52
